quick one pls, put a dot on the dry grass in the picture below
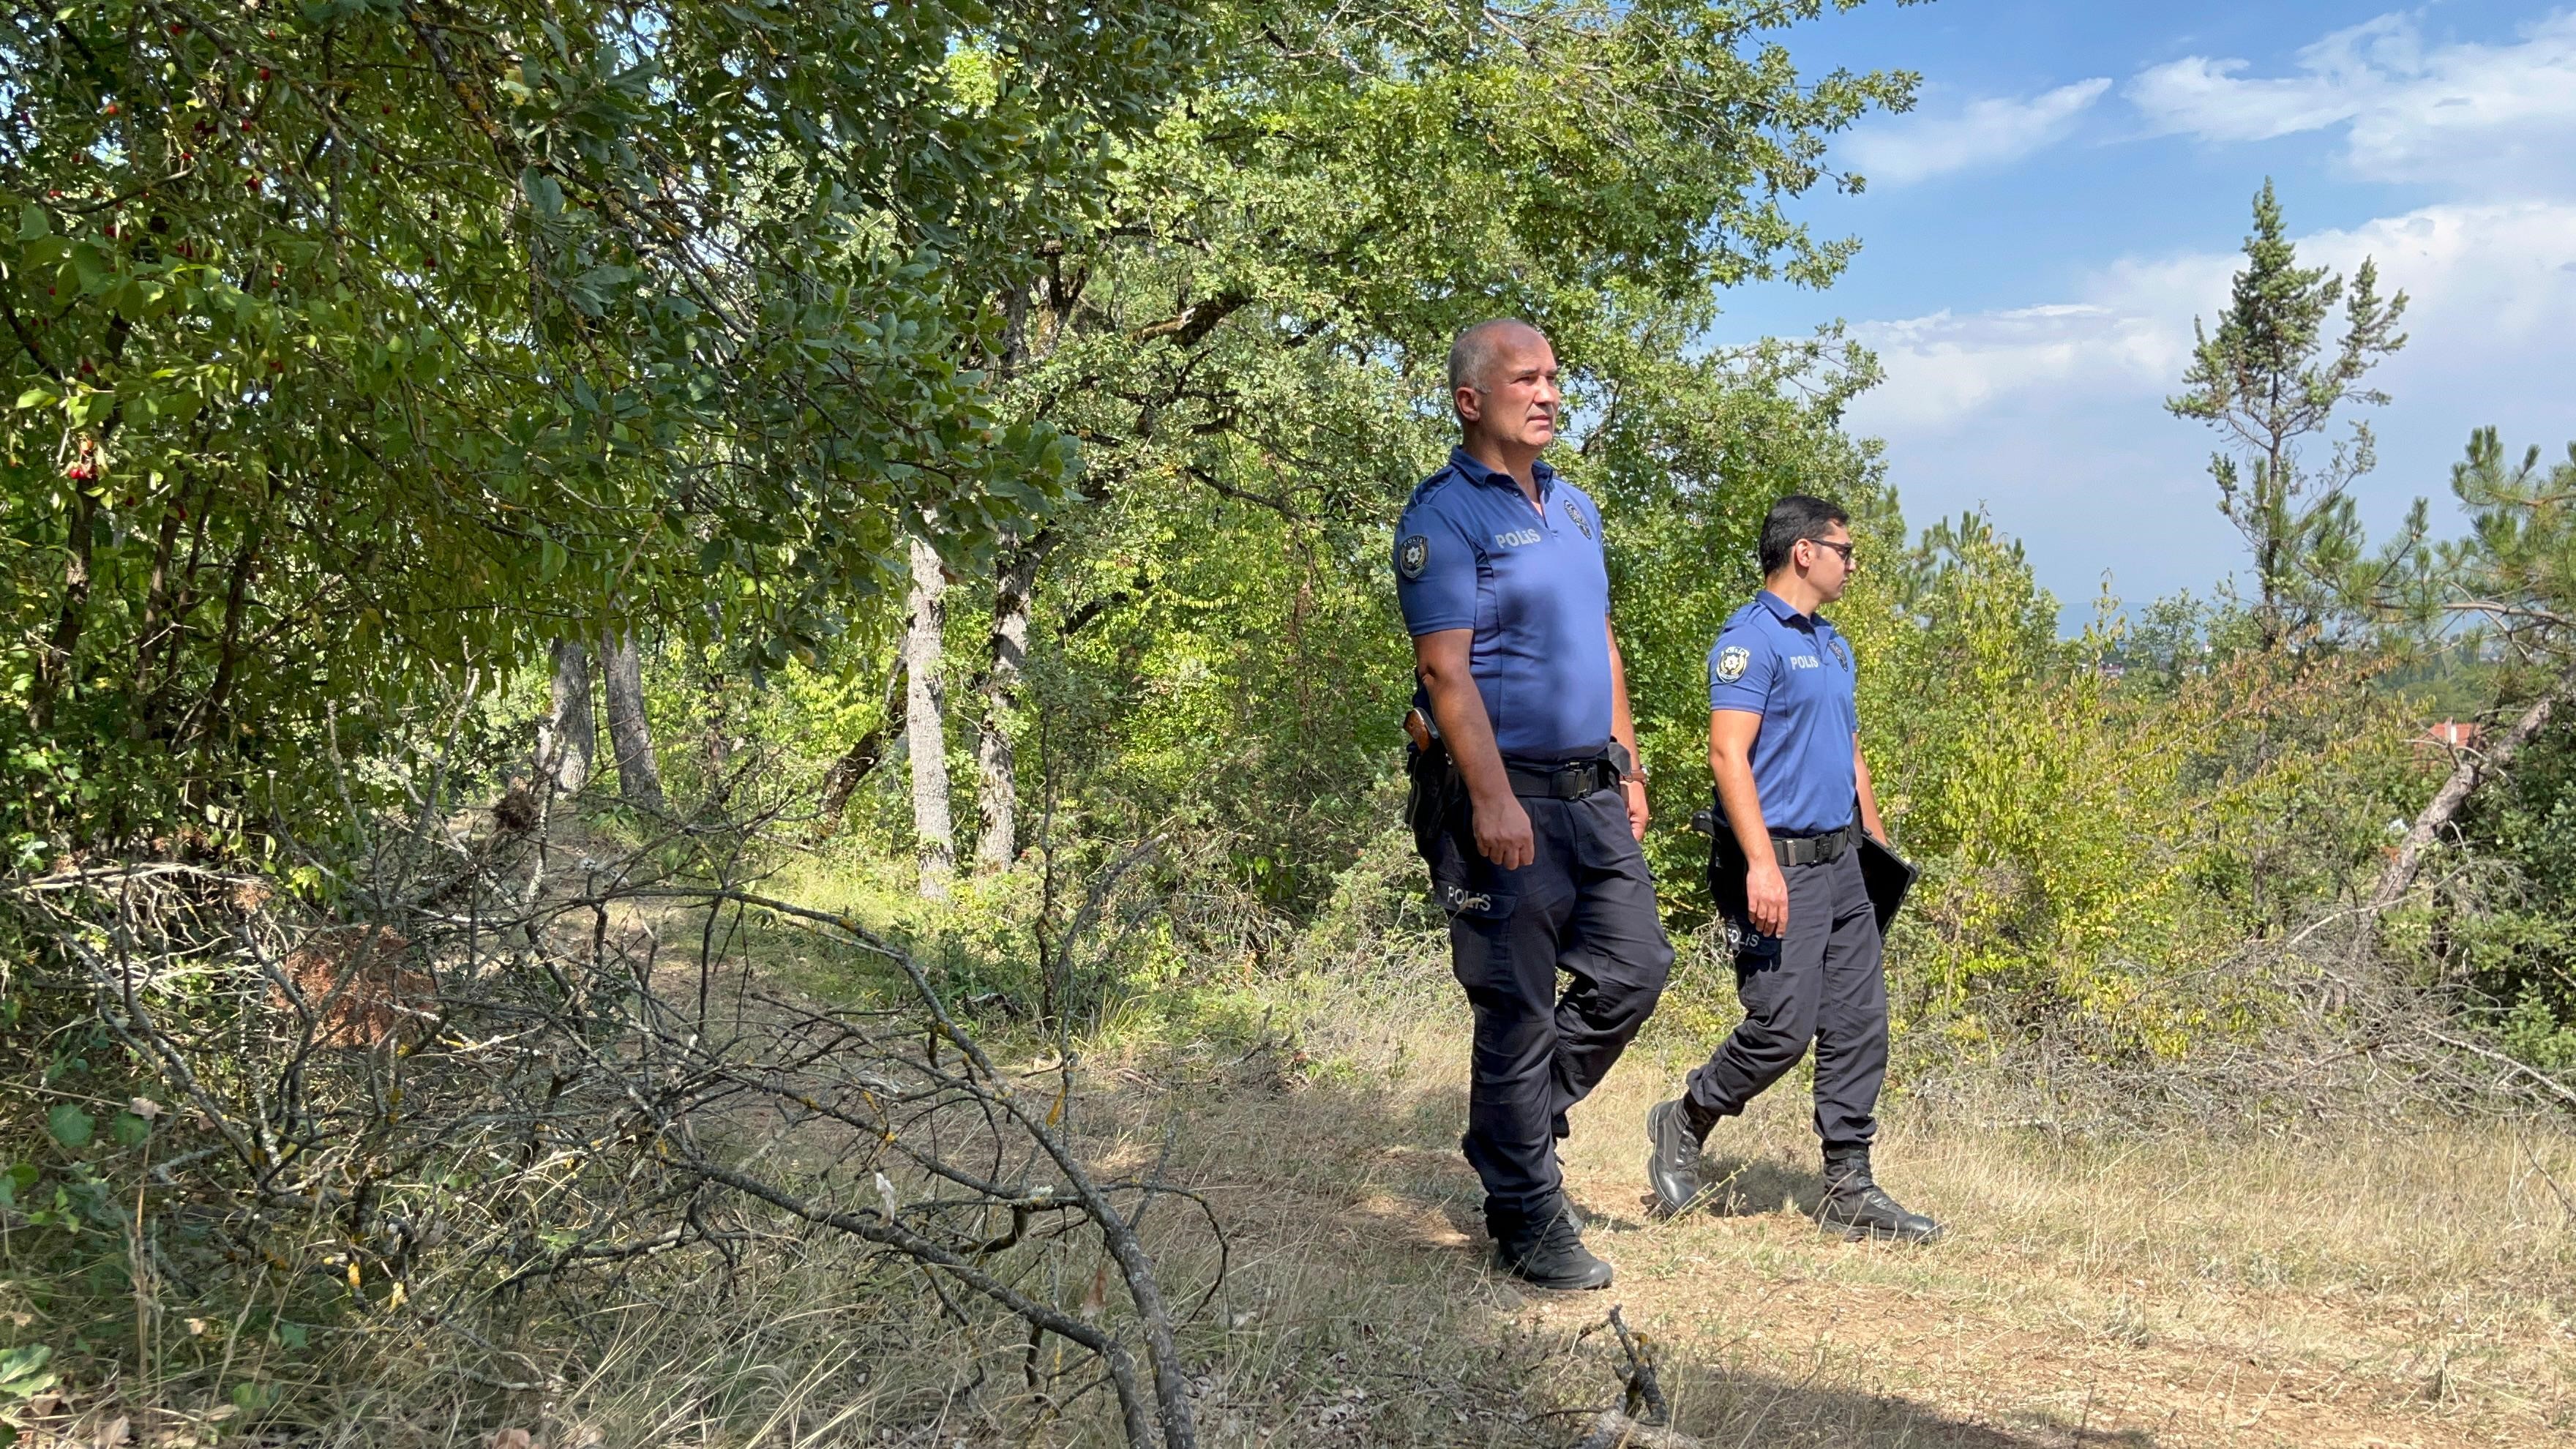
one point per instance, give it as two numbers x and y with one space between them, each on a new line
2405 1284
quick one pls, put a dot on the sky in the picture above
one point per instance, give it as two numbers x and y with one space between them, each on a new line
2071 191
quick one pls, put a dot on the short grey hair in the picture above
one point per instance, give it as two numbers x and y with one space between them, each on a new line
1471 353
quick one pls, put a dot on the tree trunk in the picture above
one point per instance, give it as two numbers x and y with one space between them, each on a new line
209 711
717 742
639 780
997 775
924 714
54 665
842 780
568 737
2474 768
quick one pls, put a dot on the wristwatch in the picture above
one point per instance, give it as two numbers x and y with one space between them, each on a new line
1626 762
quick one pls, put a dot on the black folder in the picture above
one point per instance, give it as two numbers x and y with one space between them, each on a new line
1887 876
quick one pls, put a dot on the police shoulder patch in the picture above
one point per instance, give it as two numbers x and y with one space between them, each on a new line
1581 523
1731 662
1411 555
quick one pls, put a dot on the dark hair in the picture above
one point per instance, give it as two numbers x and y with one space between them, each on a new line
1794 518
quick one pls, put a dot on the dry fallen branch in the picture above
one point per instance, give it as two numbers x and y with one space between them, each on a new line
495 1095
1644 1421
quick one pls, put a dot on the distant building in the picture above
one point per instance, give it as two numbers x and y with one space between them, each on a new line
2452 734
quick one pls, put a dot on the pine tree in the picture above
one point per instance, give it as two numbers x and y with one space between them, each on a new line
2266 381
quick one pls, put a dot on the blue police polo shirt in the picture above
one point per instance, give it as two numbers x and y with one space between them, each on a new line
1471 553
1796 671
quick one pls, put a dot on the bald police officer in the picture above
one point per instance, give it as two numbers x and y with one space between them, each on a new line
1525 806
1792 790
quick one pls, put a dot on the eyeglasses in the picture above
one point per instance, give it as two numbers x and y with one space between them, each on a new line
1841 548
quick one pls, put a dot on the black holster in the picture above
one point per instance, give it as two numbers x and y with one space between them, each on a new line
1432 797
1726 865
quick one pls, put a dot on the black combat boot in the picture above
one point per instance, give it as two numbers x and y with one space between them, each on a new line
1672 1164
1550 1254
1857 1208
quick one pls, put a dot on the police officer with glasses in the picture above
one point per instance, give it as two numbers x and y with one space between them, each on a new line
1525 804
1792 794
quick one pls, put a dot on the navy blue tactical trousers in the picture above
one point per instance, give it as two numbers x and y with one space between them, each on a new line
1585 908
1821 983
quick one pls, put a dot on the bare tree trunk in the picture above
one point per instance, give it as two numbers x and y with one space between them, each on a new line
841 781
717 742
2474 768
568 737
997 775
925 707
54 665
639 780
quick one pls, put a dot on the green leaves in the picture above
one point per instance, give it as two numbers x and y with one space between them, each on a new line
70 1126
23 1374
373 350
1248 338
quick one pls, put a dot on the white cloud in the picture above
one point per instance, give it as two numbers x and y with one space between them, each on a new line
1981 133
2458 113
1944 370
2478 277
2053 414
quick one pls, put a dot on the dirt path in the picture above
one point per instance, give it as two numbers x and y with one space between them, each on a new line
2412 1287
2409 1284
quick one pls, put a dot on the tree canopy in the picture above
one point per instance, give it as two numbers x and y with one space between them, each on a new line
354 342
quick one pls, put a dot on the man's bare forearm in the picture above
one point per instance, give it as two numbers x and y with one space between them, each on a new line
1869 820
1459 710
1502 828
1741 803
1623 724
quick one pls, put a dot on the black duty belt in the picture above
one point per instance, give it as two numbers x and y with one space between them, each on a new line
1570 781
1788 849
1812 849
